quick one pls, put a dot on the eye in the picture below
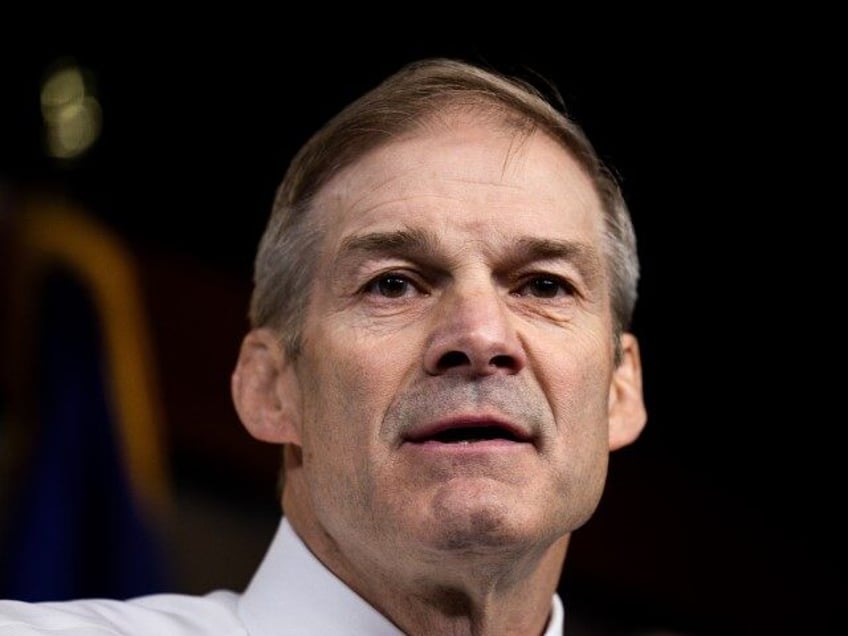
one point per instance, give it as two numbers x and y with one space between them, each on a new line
391 286
545 286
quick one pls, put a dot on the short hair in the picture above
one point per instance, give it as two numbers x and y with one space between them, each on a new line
416 94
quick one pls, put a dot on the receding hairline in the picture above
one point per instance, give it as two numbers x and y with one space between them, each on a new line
458 117
419 95
445 113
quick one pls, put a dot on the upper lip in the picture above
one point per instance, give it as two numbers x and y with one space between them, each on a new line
431 429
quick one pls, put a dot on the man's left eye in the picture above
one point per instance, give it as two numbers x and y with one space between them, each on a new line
390 286
545 287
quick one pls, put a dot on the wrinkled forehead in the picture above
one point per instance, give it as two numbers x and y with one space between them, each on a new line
459 165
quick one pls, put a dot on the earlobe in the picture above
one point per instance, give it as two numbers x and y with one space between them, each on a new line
264 389
627 413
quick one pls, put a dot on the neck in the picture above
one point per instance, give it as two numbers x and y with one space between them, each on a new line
467 593
479 603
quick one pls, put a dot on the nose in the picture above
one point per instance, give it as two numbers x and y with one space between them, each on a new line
473 335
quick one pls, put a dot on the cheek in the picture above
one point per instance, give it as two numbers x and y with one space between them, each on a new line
577 384
363 376
333 439
346 390
577 380
579 450
348 384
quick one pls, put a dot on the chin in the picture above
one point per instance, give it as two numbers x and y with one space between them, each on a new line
483 527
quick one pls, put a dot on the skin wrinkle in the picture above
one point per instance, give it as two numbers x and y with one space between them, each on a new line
384 211
360 258
513 155
430 400
420 244
484 533
338 186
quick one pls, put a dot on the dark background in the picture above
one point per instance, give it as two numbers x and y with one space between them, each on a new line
725 516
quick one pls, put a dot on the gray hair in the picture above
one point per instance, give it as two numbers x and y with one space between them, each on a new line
416 94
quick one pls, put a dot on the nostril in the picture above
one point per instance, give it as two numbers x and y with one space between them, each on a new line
452 359
503 362
455 359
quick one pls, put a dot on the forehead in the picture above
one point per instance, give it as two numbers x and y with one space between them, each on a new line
463 177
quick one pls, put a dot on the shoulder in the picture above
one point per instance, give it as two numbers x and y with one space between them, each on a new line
172 614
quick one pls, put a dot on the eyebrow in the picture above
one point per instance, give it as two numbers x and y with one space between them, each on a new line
584 255
415 241
422 244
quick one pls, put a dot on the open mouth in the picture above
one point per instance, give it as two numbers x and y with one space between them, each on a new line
468 433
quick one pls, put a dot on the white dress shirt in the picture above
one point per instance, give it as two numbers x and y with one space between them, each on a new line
291 594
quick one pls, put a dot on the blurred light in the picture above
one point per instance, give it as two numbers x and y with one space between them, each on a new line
71 112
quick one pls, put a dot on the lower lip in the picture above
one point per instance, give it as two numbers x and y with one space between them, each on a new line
479 446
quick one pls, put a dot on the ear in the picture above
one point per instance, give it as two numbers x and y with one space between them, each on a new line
627 414
265 390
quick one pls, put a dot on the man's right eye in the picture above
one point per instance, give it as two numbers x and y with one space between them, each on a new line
390 286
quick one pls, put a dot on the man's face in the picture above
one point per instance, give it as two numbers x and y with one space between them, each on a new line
457 360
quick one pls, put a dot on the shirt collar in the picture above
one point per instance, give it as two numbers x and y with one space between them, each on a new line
292 593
